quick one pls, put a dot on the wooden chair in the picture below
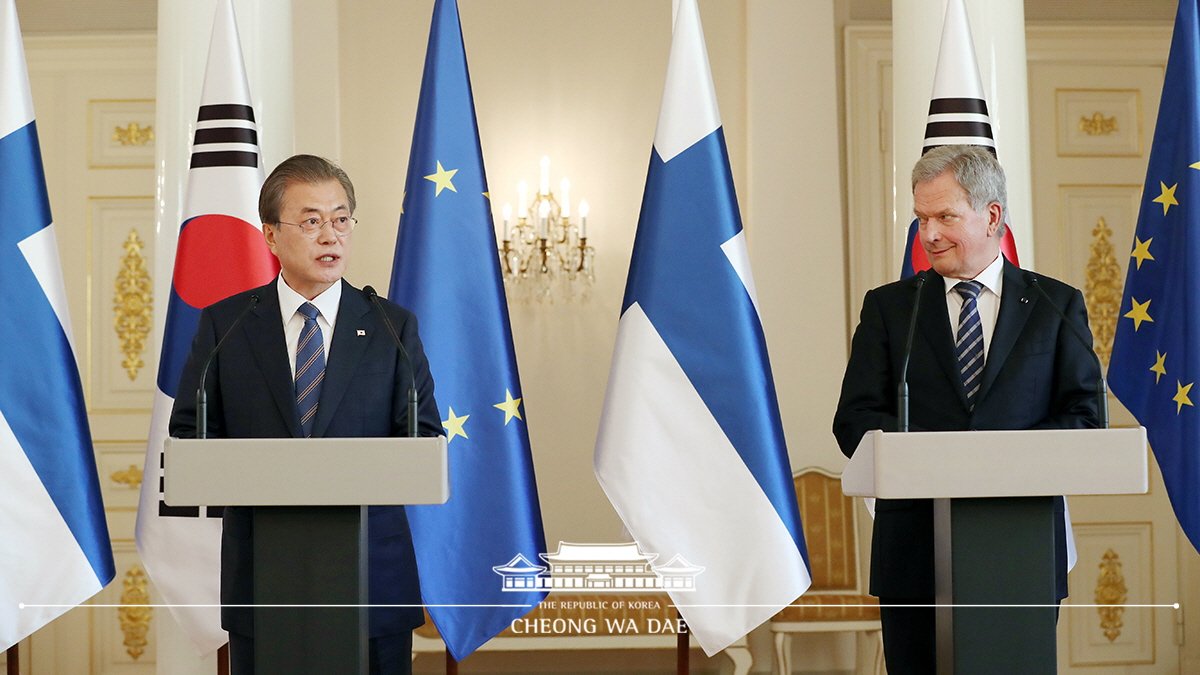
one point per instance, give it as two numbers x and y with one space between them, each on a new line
837 600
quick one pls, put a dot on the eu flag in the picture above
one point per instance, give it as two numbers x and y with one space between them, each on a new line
447 271
1156 350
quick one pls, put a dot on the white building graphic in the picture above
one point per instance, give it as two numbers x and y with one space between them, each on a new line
598 567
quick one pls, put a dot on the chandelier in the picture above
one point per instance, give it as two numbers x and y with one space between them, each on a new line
545 255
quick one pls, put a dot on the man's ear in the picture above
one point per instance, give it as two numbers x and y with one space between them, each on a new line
269 233
995 218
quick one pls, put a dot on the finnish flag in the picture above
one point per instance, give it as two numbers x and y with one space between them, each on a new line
54 546
691 450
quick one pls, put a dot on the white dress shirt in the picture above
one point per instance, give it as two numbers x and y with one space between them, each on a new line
988 302
327 305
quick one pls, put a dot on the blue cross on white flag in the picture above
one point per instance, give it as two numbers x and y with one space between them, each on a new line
54 547
691 450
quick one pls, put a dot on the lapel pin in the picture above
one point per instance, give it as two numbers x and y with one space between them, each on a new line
1025 300
361 332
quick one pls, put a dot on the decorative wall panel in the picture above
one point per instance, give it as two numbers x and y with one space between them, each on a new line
121 134
1099 122
121 361
119 464
1115 568
1080 209
125 628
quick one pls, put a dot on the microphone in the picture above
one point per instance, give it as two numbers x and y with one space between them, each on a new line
902 393
373 297
1101 386
202 392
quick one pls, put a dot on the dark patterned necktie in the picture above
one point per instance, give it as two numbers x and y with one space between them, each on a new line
310 368
968 343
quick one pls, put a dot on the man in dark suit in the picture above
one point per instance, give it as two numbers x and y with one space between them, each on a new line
272 379
988 353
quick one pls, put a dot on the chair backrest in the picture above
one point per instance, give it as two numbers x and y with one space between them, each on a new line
829 530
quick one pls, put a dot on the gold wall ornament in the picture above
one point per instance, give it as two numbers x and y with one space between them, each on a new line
1098 125
1110 591
131 477
133 305
134 613
1102 294
133 134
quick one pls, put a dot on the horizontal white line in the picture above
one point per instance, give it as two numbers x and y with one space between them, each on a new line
959 140
226 122
224 147
959 117
1171 606
25 605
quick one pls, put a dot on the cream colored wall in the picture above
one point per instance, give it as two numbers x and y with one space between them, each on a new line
794 215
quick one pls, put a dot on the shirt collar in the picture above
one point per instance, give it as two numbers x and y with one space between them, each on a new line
326 303
992 277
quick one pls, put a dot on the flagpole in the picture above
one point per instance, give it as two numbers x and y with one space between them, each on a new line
682 643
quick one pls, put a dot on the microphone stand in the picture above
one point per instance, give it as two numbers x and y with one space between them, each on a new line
1102 383
202 391
902 389
412 379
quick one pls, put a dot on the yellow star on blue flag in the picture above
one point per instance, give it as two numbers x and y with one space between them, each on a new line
442 179
511 407
1141 251
1167 198
454 426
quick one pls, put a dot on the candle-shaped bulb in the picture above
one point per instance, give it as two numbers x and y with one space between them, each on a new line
544 185
507 215
564 203
544 212
522 199
583 213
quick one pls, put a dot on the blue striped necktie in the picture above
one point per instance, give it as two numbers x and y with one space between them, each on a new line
310 368
968 343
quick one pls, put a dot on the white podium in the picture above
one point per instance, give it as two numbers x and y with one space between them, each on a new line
994 494
310 615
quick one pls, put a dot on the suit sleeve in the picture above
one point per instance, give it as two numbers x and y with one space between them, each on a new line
429 420
868 398
183 413
1073 402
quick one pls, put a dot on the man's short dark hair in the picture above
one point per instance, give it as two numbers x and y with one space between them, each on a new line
974 167
298 169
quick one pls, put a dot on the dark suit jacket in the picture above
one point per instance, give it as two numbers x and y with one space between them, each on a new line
1037 376
364 393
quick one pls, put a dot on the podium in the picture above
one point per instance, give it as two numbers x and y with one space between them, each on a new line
309 499
994 521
